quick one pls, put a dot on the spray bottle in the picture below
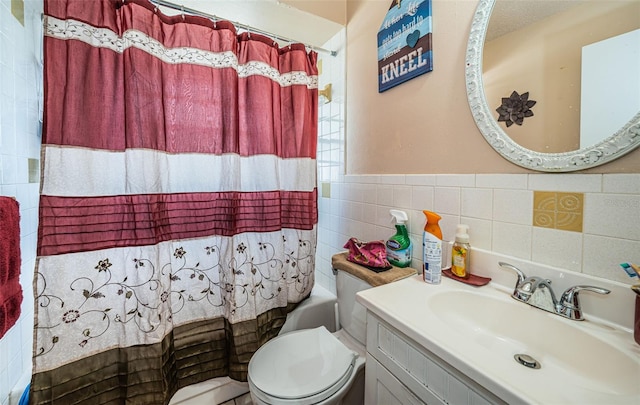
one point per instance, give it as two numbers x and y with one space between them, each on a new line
399 246
432 249
460 253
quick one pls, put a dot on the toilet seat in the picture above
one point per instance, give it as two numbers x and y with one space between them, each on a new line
302 367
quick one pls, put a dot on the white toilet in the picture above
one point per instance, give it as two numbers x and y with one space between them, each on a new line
314 366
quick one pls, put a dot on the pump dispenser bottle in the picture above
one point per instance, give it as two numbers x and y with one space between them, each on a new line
432 249
461 253
399 246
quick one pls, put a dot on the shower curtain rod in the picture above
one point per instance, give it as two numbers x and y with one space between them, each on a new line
249 28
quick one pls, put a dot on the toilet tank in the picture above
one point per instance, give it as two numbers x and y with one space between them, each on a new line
351 315
317 310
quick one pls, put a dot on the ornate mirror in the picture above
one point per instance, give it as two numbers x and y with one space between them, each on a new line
533 114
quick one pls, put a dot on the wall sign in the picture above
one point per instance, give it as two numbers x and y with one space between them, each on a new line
404 43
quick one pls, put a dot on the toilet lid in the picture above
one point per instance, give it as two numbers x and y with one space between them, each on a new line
301 364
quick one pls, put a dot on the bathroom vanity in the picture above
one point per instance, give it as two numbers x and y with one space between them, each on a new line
397 366
457 344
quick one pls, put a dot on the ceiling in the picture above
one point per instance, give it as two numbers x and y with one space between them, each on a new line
511 15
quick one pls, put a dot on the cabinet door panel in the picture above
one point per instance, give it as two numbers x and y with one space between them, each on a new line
419 371
381 387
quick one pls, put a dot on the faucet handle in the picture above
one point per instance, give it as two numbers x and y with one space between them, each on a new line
518 294
569 305
520 273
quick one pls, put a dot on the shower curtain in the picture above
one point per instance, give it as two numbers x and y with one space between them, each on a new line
178 208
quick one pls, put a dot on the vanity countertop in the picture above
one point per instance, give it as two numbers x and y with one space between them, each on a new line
478 330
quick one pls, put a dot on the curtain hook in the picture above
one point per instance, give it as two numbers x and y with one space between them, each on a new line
182 11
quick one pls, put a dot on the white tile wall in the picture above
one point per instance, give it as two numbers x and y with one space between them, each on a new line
499 210
514 206
615 215
355 202
477 203
20 92
331 115
621 183
557 248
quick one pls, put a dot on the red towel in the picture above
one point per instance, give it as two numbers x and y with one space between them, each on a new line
10 289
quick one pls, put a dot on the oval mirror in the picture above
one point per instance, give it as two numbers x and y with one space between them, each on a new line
536 88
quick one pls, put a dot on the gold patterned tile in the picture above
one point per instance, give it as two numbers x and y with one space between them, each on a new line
17 9
326 190
556 210
34 170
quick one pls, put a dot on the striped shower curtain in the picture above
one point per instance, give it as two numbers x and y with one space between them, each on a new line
178 209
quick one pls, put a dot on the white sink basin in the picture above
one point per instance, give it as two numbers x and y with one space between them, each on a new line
507 327
478 331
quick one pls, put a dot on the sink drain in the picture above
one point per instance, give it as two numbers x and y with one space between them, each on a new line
527 361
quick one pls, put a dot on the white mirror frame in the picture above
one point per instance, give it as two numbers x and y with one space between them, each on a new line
620 143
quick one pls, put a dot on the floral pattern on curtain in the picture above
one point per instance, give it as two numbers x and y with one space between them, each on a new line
178 210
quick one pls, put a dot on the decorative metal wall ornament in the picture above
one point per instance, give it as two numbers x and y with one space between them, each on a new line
515 108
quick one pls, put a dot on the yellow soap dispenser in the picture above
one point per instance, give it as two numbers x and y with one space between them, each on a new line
461 253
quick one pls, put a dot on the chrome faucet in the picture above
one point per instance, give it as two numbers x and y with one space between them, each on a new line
538 293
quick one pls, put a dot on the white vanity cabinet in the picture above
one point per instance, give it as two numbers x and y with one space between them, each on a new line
452 343
400 371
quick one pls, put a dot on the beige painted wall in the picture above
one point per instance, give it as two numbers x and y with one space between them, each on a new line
544 59
334 10
424 125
